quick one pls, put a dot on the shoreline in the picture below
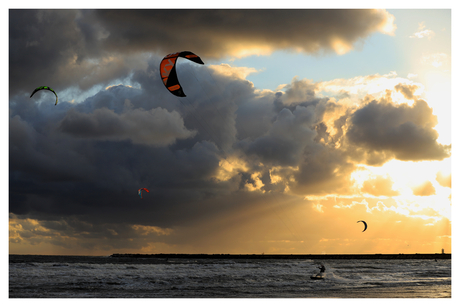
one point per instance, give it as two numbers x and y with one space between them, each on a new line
288 256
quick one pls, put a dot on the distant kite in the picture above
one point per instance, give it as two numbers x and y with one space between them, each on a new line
168 70
139 192
45 88
365 225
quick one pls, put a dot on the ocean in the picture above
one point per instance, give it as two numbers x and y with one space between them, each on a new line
122 277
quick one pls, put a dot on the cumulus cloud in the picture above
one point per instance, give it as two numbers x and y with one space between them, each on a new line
359 87
153 127
93 157
422 32
407 90
322 172
406 132
287 137
252 146
241 32
425 189
444 180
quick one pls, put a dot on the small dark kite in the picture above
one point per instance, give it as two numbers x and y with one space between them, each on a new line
365 225
45 88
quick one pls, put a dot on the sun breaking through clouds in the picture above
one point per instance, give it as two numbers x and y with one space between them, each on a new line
231 168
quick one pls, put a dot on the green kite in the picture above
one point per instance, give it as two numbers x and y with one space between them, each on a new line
45 88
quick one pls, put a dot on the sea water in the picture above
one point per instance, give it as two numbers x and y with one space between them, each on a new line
110 277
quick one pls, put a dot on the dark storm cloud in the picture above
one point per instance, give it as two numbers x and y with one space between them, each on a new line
284 142
323 170
213 33
35 153
154 127
403 131
62 48
39 43
90 158
59 48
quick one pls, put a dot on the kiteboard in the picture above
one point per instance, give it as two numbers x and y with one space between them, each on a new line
317 276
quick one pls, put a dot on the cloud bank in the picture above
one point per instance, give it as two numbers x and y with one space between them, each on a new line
227 157
86 47
209 155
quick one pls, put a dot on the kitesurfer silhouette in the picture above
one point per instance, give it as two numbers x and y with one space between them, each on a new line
320 274
322 268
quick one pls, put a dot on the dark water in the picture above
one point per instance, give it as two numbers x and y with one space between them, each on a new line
107 277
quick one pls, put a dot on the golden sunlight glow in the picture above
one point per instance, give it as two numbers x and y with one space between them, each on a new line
230 167
331 115
318 207
275 178
438 97
146 230
244 50
281 87
417 184
340 46
312 134
359 176
359 87
257 185
14 231
27 228
388 26
114 85
234 72
400 98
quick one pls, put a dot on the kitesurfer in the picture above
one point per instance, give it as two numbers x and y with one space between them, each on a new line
320 275
322 268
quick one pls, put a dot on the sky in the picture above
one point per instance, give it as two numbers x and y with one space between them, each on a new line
299 124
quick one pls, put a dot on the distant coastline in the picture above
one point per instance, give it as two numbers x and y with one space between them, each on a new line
288 256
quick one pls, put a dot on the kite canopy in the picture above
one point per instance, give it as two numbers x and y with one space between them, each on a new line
139 192
365 225
45 88
168 70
